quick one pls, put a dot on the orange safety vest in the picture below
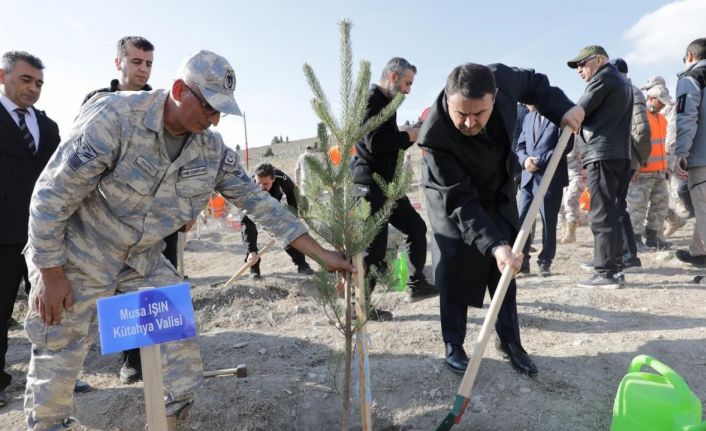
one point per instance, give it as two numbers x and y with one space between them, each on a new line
217 205
334 154
658 133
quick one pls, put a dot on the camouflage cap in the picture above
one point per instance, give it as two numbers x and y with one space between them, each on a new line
652 81
215 78
661 93
585 53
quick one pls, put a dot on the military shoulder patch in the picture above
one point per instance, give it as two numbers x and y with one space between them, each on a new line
681 103
80 153
230 161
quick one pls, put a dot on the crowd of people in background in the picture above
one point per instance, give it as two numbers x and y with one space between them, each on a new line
90 217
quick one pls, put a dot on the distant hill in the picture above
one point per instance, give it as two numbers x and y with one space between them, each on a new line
284 158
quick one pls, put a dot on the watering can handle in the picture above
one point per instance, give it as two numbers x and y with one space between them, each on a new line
675 379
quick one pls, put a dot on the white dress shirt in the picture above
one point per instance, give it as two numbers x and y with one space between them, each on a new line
30 118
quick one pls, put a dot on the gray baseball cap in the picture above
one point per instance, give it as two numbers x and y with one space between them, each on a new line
215 78
661 93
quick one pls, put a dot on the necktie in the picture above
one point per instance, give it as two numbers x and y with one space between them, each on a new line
537 126
26 135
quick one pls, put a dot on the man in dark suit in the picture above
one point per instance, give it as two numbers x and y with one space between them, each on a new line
535 148
28 139
467 177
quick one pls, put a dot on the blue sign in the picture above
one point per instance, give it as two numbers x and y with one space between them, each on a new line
145 318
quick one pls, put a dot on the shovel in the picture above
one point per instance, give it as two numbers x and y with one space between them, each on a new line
464 391
245 267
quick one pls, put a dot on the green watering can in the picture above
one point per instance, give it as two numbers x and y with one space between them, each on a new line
655 402
400 268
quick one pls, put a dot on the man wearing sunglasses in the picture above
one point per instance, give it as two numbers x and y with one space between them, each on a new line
136 167
604 142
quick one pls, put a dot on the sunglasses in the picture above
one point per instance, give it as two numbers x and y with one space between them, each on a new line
207 108
585 61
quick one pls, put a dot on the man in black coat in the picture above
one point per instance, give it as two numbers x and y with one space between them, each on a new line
28 138
605 143
277 184
377 153
467 178
133 61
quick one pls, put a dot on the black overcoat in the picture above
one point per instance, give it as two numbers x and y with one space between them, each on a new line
464 228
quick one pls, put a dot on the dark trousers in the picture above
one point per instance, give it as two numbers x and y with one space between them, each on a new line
454 316
170 251
549 210
297 256
606 180
405 219
685 196
12 269
627 233
132 356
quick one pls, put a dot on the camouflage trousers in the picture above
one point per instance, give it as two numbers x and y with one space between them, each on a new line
577 184
58 351
648 199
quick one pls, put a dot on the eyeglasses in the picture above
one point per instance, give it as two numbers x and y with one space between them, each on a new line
683 59
207 108
585 61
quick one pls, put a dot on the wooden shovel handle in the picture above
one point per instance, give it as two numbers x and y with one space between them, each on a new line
247 265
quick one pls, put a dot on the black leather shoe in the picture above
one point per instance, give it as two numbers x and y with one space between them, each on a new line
378 315
81 387
519 359
420 289
305 269
3 398
456 358
687 257
544 269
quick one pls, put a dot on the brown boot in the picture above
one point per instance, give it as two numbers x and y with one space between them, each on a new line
674 222
569 233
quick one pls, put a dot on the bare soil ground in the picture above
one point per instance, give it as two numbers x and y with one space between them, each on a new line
581 339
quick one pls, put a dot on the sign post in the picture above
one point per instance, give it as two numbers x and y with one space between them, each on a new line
145 319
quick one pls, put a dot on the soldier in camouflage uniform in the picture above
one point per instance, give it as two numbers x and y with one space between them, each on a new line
577 184
673 220
136 167
648 195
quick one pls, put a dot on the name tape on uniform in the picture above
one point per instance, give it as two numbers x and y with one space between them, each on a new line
146 317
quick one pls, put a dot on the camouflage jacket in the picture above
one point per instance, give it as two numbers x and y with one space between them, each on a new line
110 193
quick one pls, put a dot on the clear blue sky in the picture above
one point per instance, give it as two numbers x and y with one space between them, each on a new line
267 43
